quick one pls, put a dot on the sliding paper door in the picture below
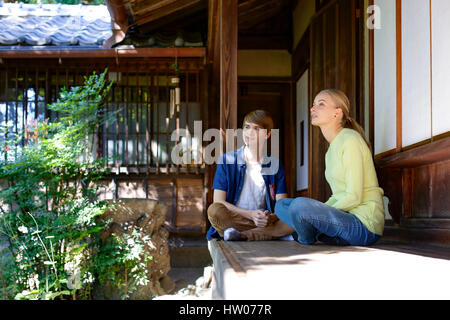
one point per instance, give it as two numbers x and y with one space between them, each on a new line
416 72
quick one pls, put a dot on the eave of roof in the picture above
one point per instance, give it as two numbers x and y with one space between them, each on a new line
46 52
38 29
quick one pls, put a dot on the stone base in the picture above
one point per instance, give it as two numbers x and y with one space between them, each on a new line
148 217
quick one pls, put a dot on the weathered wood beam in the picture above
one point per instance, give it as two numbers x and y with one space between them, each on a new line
257 12
213 29
118 12
104 53
254 12
423 155
164 9
213 58
119 22
228 17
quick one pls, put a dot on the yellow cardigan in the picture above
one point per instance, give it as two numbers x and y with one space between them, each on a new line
351 175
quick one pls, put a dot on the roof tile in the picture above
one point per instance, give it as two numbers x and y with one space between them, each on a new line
53 24
59 25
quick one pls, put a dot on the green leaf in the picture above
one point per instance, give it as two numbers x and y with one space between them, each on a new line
53 295
78 249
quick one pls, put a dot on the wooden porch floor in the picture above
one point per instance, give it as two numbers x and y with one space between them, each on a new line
275 270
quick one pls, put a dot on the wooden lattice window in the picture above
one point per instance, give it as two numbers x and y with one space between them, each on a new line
140 137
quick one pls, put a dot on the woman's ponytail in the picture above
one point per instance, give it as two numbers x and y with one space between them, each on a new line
350 123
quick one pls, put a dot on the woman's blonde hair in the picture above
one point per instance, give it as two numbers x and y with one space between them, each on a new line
342 102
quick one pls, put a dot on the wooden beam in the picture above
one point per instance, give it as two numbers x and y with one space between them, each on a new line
254 13
372 85
424 155
214 64
105 53
119 22
399 112
118 12
228 17
163 8
213 29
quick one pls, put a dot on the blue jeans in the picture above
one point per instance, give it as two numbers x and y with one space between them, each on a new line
315 221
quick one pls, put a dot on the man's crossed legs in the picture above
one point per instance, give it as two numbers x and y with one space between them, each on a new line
222 219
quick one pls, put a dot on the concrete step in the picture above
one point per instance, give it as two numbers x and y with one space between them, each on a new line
189 252
290 271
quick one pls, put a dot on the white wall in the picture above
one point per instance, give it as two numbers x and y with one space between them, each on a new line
440 13
416 71
302 115
385 82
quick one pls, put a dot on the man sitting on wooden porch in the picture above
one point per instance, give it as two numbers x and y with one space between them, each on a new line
247 184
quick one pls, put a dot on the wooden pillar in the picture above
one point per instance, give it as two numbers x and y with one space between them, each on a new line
228 34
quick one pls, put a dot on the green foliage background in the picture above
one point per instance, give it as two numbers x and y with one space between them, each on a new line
49 212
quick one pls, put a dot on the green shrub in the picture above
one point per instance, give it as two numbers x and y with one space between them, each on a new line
52 226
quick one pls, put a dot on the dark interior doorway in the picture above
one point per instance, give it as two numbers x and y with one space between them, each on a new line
274 98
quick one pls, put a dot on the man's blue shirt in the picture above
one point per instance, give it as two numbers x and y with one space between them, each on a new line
230 175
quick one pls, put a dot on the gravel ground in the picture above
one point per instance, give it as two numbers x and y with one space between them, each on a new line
191 284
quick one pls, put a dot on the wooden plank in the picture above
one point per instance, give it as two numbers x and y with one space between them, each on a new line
440 189
330 46
187 108
157 120
163 9
371 85
126 97
36 94
104 53
407 189
213 29
106 126
138 117
7 95
167 102
347 63
317 143
418 235
117 89
399 74
131 189
390 180
161 189
261 270
422 155
254 12
231 258
189 202
426 223
228 17
16 118
149 118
